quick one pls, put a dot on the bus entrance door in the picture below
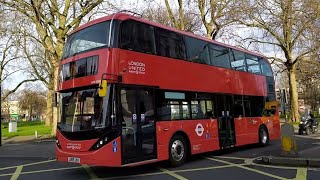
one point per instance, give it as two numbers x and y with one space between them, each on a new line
226 128
138 125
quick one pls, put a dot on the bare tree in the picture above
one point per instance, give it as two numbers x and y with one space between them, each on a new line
308 76
52 20
33 102
9 56
217 14
159 14
285 25
178 22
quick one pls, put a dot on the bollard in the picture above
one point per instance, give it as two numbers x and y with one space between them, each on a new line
36 134
288 142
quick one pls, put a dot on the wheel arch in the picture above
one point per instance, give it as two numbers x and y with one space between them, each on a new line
266 128
186 137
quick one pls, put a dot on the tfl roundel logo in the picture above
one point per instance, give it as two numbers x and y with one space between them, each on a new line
199 129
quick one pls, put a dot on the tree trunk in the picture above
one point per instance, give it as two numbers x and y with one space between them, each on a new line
294 106
49 110
55 109
30 113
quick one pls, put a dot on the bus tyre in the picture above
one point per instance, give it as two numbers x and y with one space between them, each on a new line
177 151
263 136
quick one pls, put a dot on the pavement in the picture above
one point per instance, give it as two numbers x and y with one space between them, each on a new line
24 139
305 156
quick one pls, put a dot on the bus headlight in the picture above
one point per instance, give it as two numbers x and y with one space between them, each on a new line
101 142
105 139
58 144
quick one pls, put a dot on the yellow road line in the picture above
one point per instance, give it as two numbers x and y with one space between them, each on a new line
10 174
229 157
30 164
45 170
49 170
175 171
172 174
301 174
314 169
250 162
247 168
133 176
204 168
128 176
16 174
89 171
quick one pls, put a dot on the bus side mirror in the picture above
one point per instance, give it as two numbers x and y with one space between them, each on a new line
102 91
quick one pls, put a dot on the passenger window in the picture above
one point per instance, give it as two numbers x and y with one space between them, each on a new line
198 109
238 107
171 44
247 107
198 50
239 61
257 103
137 37
185 110
219 56
175 110
253 64
265 67
253 106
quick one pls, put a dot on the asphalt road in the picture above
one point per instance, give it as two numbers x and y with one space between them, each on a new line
234 163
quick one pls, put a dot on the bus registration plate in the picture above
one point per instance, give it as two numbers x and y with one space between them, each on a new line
74 159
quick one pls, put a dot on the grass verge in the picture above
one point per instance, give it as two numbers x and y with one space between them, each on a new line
26 129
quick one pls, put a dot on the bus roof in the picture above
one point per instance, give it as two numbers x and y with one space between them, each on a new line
124 16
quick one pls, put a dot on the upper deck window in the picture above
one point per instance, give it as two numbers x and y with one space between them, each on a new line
239 61
171 44
198 50
92 37
265 68
137 37
219 56
253 64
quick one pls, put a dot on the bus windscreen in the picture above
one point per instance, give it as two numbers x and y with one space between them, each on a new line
83 110
92 37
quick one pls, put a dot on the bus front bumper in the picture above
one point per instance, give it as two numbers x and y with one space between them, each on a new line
107 155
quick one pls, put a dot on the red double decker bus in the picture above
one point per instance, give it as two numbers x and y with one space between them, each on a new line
133 91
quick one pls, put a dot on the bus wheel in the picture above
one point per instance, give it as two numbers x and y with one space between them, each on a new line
177 151
263 136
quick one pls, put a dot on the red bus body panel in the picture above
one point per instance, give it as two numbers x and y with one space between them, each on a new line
208 141
101 157
168 73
